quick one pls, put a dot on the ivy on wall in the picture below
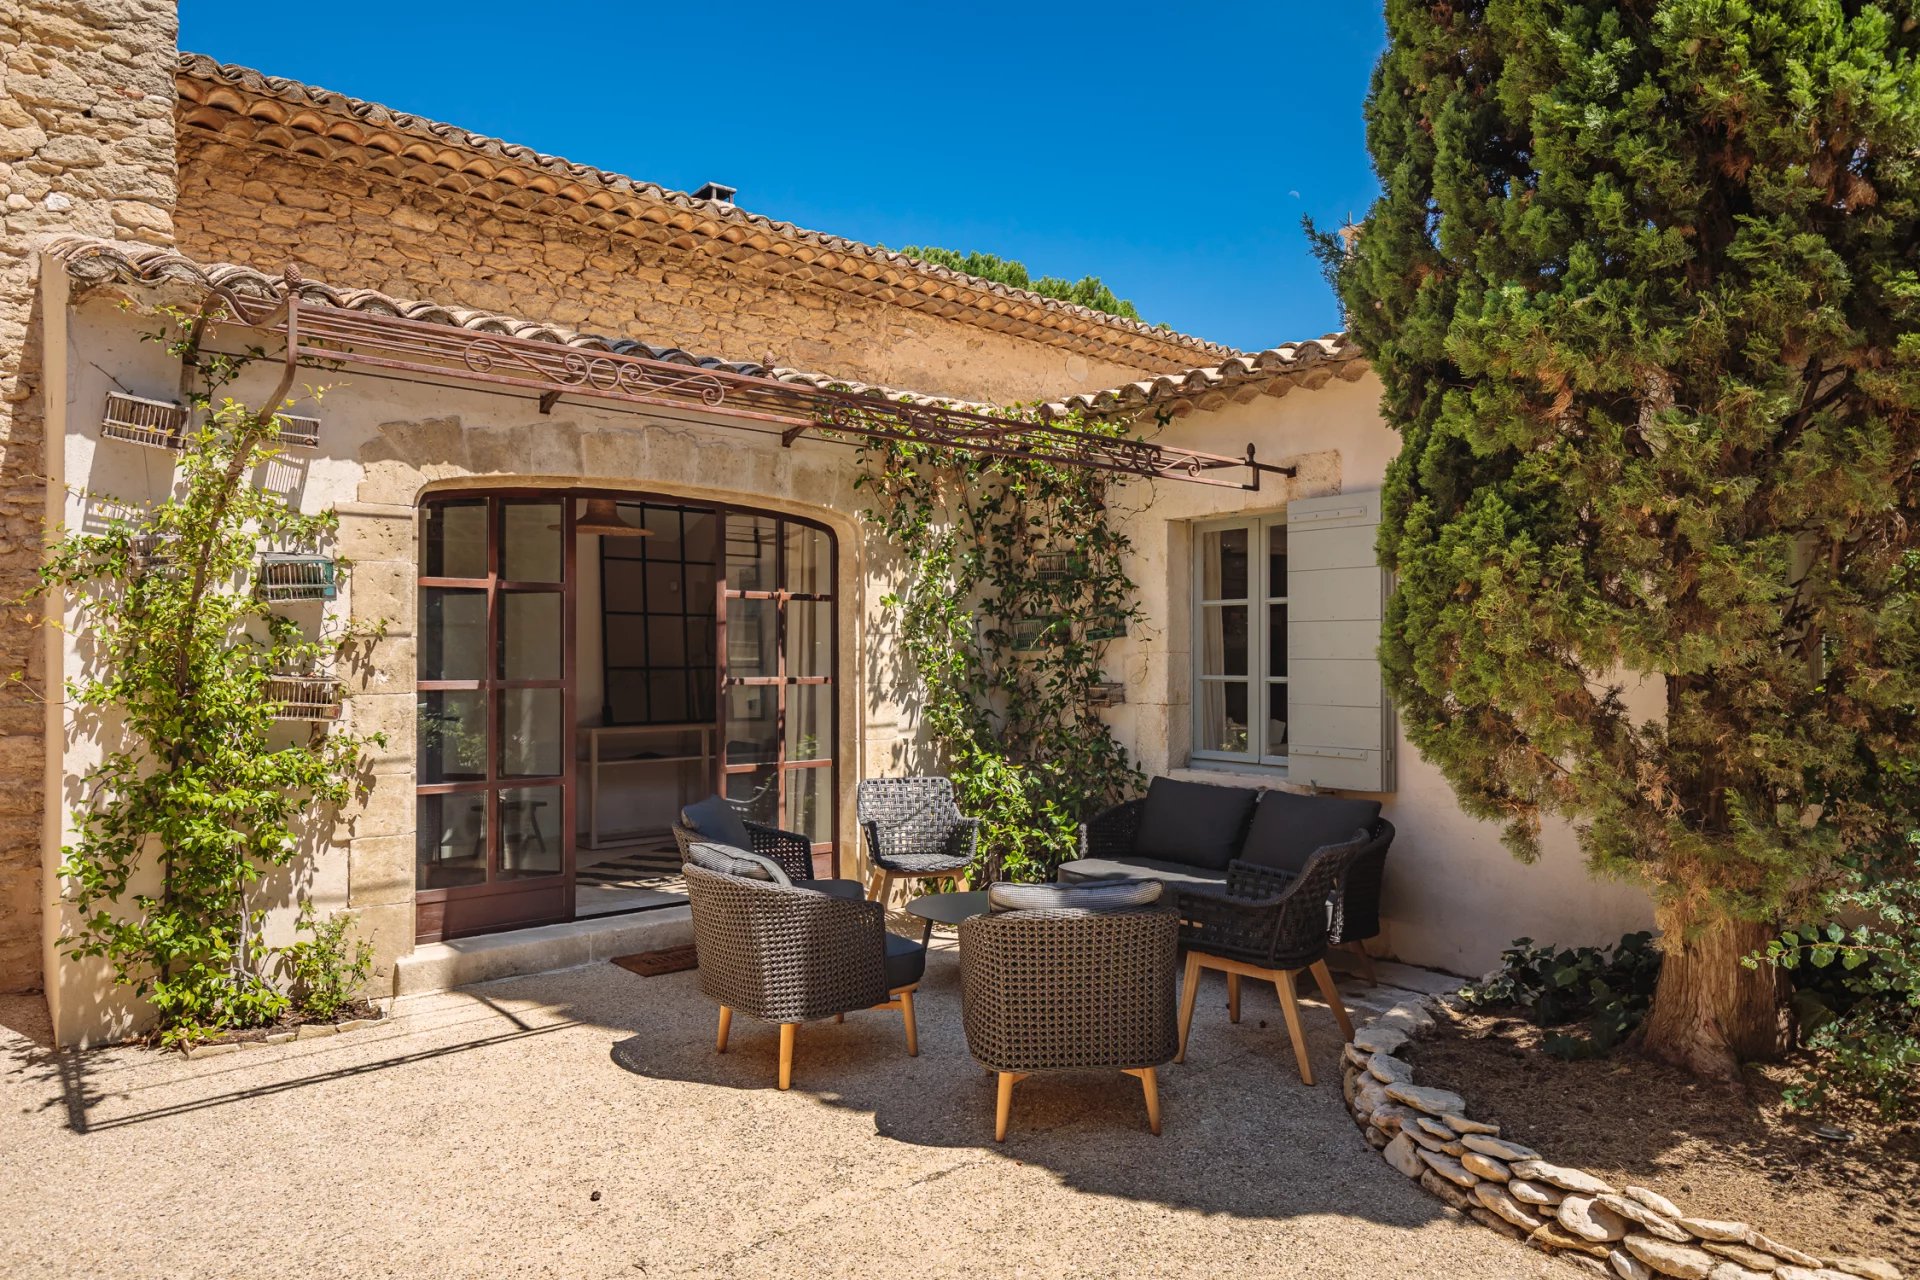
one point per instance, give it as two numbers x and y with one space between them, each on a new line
202 790
1013 586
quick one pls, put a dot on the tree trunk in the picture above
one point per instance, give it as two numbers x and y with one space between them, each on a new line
1710 1012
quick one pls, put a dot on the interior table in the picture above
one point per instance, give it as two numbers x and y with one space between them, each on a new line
947 908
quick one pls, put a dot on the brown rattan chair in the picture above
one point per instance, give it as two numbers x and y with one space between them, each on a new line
1268 925
914 830
1070 988
788 954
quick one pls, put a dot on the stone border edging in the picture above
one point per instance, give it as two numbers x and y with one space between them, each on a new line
1636 1234
304 1031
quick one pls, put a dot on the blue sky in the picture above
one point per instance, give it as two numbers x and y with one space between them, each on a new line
1169 149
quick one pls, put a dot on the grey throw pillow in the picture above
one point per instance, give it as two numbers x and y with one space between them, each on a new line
1097 895
736 862
716 820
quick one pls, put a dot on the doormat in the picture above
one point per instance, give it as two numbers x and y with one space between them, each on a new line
651 964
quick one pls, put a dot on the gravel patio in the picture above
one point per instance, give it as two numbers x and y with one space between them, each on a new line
579 1124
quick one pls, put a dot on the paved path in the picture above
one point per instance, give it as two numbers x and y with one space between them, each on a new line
468 1135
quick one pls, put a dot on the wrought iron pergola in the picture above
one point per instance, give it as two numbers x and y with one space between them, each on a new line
322 335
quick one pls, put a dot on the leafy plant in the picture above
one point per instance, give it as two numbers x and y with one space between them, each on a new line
1087 291
200 791
322 972
1857 998
1011 568
1609 988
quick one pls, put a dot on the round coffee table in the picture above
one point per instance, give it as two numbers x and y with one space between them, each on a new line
947 908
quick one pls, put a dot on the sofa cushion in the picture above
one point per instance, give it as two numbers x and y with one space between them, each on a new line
906 961
1288 827
716 820
1193 822
736 862
852 889
1176 875
1095 895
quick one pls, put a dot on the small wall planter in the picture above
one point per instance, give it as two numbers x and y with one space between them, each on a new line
1633 1233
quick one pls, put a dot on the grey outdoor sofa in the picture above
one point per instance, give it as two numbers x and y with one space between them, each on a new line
1187 835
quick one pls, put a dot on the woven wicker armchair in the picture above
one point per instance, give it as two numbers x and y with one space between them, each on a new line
1110 833
787 955
1356 899
1071 989
1268 925
914 831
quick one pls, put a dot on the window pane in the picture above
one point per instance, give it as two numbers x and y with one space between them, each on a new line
451 728
453 633
1276 640
809 708
756 795
664 593
529 832
698 530
809 638
1277 560
625 640
1223 716
664 524
450 840
1276 718
1223 564
530 542
455 534
699 592
809 560
530 635
626 697
750 649
810 803
621 584
752 722
1223 640
750 553
667 641
531 735
668 692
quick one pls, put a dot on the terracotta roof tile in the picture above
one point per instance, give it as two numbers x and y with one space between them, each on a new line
1275 371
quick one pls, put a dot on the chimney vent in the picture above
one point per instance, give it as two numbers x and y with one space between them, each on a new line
718 192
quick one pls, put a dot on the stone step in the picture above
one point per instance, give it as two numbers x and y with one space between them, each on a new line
438 966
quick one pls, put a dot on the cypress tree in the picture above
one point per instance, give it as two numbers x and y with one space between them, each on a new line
1641 288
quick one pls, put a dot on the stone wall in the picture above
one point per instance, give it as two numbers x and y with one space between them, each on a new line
86 145
352 226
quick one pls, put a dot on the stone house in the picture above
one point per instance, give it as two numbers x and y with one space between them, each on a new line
136 174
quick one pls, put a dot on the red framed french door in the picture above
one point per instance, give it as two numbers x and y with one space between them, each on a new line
777 698
494 784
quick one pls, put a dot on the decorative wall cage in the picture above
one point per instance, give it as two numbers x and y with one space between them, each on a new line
299 431
157 424
1055 564
1107 627
1028 635
151 551
1108 693
304 697
296 577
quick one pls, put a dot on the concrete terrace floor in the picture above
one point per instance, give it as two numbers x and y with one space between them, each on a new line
467 1135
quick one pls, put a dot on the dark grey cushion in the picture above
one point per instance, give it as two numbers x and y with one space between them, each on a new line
906 961
834 888
1174 874
1193 822
715 820
736 862
1288 827
1110 895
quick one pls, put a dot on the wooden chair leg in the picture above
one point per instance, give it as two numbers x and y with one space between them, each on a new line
1323 978
1189 989
1233 997
913 1030
726 1025
839 1017
1283 983
1150 1086
787 1032
1003 1105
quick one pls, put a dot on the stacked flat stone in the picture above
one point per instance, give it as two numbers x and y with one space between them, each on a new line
1630 1232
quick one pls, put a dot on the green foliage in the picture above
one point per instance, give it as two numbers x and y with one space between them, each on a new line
1609 988
1641 290
1013 575
1857 998
1087 291
200 792
322 972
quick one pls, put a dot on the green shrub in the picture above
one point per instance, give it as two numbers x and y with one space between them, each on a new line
1857 999
1609 988
321 977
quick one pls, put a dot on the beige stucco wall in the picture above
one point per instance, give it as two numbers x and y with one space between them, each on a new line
1454 895
353 227
86 144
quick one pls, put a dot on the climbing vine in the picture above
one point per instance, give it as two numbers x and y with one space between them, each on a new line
1014 584
202 789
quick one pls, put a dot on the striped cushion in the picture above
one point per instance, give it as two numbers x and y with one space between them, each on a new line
1109 895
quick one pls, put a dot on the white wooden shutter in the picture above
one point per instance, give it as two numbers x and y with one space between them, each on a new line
1340 729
